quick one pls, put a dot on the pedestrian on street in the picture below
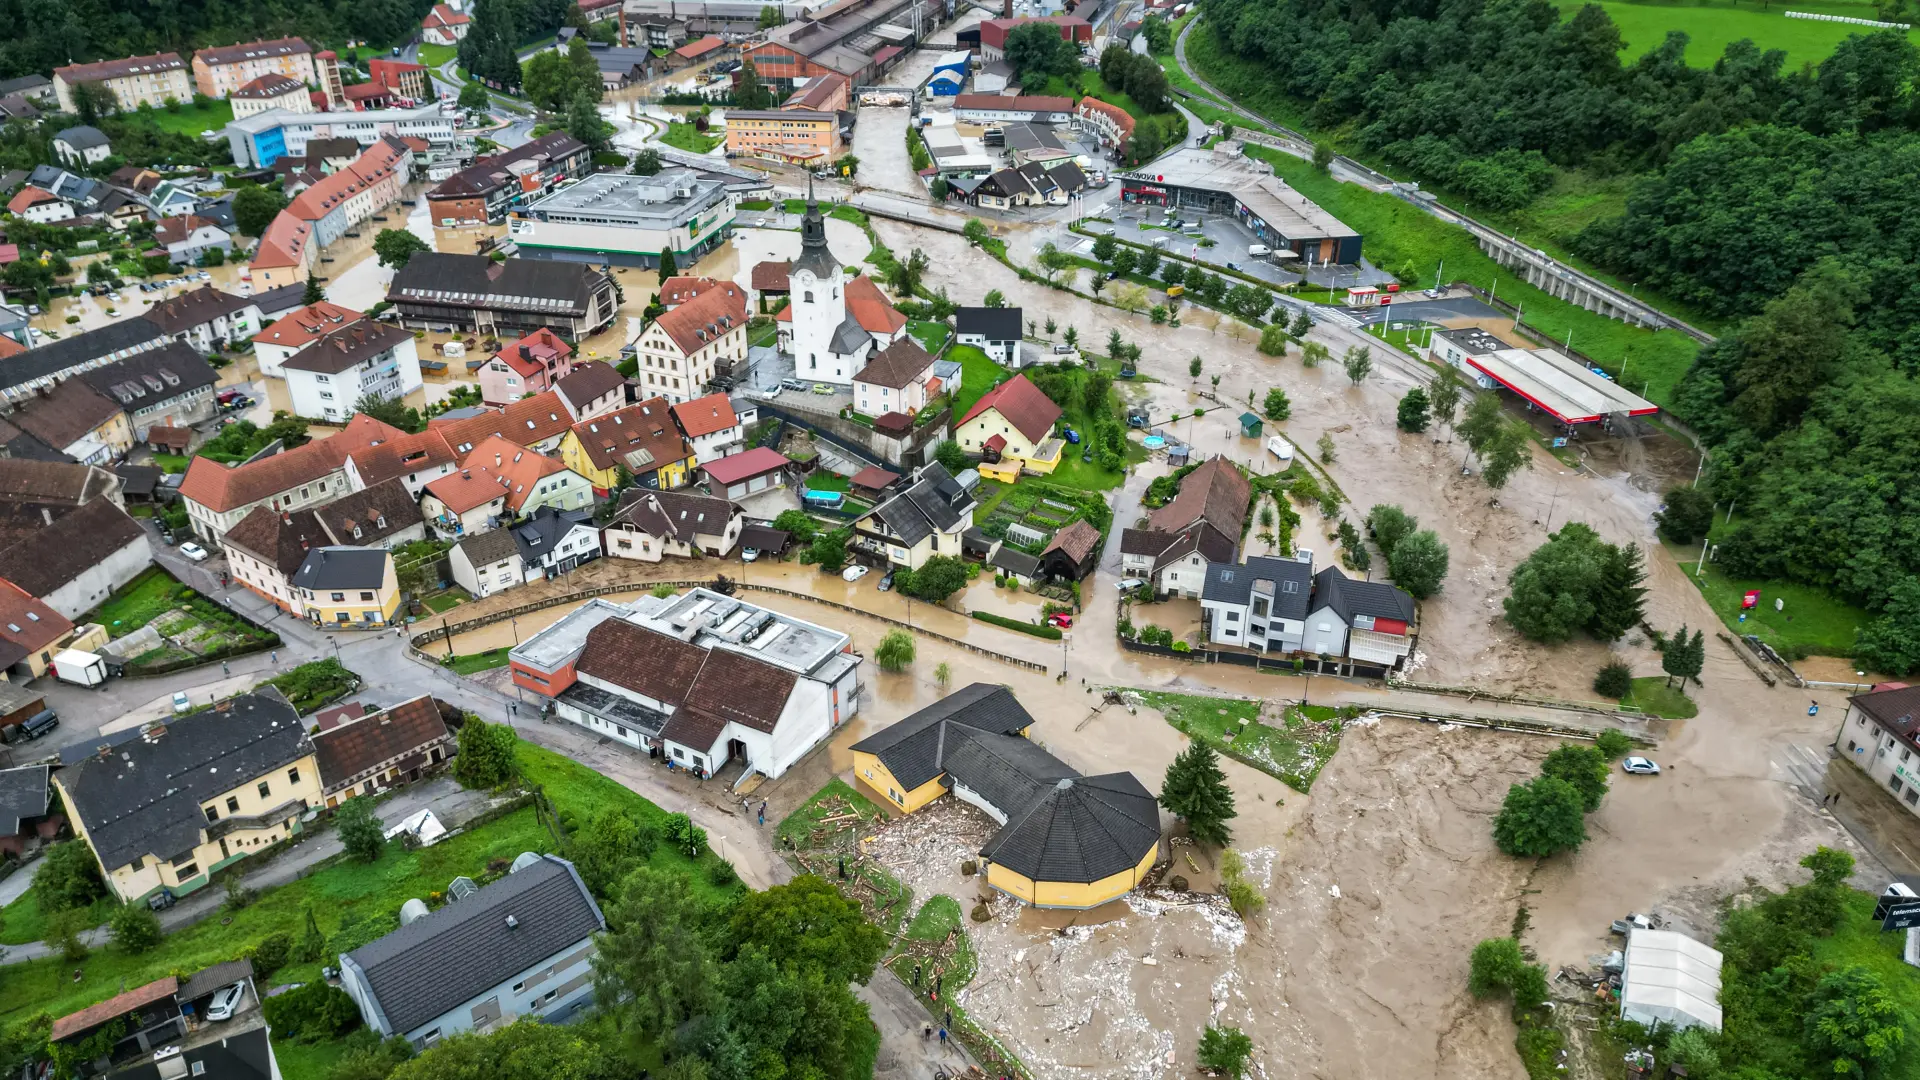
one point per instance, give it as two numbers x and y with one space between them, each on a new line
763 812
949 1018
943 1036
926 1032
274 656
224 669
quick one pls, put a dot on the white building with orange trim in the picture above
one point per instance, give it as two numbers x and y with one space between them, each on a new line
219 71
680 352
323 213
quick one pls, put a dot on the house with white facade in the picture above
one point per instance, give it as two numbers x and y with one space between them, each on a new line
650 525
1260 604
711 426
995 331
1369 622
593 389
553 542
499 481
832 324
898 379
707 679
520 948
207 318
688 344
188 237
297 330
362 359
484 563
82 146
1882 739
1173 563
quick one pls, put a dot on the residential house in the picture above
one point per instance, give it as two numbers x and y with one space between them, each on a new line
31 634
381 750
1369 622
897 379
331 374
1174 564
35 88
538 422
78 421
484 563
712 426
482 193
82 145
348 587
1072 553
219 71
382 515
136 82
1065 840
996 331
72 559
1261 604
1214 496
1010 427
926 517
188 237
290 248
650 525
170 386
237 1049
519 948
291 333
474 294
1879 731
444 25
771 281
26 796
40 206
133 1024
593 389
497 482
270 92
554 542
266 548
157 818
642 439
171 198
709 679
681 352
747 472
531 365
206 318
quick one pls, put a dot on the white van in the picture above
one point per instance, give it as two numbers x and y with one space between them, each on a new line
1258 251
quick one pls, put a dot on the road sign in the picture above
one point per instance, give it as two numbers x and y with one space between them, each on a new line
1902 917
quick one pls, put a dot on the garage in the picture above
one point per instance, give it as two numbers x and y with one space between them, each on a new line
745 473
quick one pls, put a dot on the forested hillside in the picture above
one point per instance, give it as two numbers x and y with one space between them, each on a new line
44 34
1782 197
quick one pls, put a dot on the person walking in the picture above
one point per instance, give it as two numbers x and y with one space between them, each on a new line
763 813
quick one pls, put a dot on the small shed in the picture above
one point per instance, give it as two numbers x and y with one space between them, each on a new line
869 483
1072 553
1670 979
1011 560
765 539
166 439
1251 426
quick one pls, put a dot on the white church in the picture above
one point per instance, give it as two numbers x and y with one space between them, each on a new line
832 324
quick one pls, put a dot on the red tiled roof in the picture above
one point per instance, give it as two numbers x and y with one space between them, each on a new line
527 421
303 326
496 467
644 429
870 306
771 276
705 319
737 467
873 478
543 345
30 197
346 751
442 15
220 488
114 69
699 47
269 86
119 1005
705 415
1023 406
681 288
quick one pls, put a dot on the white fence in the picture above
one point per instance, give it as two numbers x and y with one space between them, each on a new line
1848 19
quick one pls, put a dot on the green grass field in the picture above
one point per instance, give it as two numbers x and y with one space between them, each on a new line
686 137
189 120
930 335
1653 695
480 661
435 55
1711 26
1809 618
978 374
136 603
1293 754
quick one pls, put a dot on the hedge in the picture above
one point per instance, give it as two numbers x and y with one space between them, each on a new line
1048 632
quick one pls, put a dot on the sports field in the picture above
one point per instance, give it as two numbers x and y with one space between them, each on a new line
1713 24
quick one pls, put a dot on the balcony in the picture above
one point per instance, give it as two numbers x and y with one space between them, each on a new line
264 820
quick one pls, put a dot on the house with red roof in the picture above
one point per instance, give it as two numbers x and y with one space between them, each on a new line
291 333
1011 428
39 206
444 25
498 482
531 365
711 425
324 212
682 350
739 475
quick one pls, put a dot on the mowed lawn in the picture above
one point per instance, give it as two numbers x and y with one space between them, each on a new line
1711 26
189 120
1808 617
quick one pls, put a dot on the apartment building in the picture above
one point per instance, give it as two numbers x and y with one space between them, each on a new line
481 193
363 359
328 210
135 81
794 136
219 71
681 352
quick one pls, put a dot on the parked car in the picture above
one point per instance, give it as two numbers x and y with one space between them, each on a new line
1640 766
226 1000
853 573
749 554
795 384
35 726
822 388
1060 620
181 702
1129 584
193 551
1062 349
1072 436
886 582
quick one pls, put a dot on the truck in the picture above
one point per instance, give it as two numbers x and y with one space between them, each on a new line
80 668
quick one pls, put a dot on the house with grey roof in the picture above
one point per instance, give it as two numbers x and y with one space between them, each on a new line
553 541
485 563
928 516
519 948
1369 622
1065 840
1260 604
82 146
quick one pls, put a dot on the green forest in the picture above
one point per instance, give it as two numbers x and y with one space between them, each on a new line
1775 203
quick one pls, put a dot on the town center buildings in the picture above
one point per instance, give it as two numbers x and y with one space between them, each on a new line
628 220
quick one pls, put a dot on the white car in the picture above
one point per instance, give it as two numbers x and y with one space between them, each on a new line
181 702
193 551
1640 766
749 554
1129 584
853 573
225 1001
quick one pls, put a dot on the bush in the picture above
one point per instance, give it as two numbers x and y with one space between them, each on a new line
1495 964
486 757
686 837
312 1012
1614 743
361 834
135 927
1615 680
1047 632
271 953
69 877
721 873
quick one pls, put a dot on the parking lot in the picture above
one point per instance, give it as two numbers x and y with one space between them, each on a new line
1231 241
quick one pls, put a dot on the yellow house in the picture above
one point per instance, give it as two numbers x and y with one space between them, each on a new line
1011 428
1066 840
156 819
78 421
348 587
643 439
